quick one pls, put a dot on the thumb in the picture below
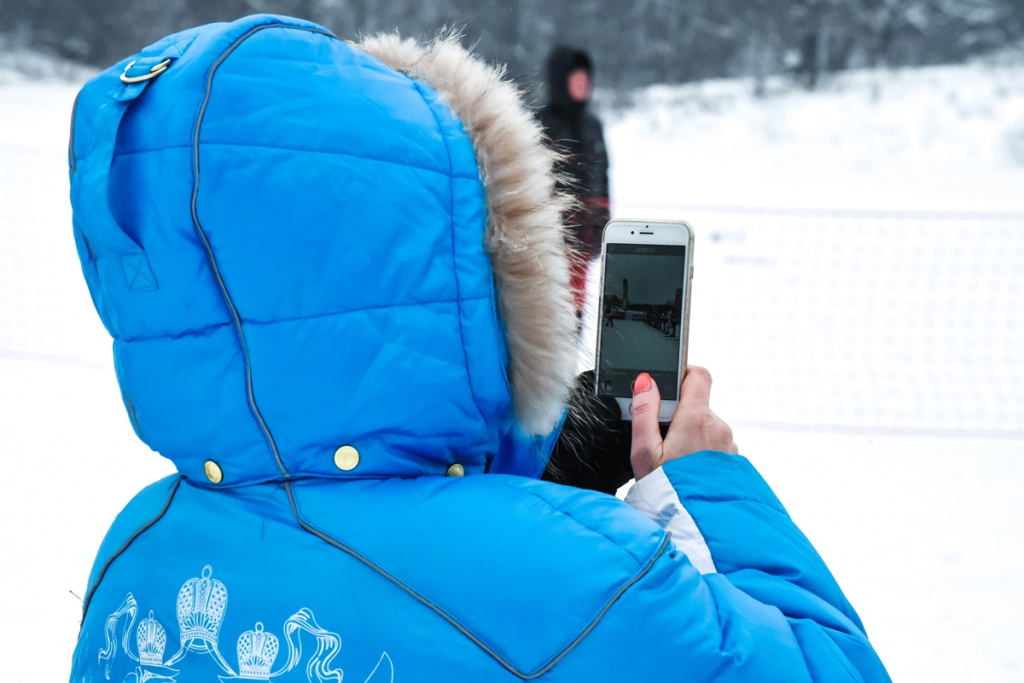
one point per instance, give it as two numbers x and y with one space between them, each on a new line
645 450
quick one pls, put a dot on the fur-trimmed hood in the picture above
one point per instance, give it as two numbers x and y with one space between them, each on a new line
524 234
324 259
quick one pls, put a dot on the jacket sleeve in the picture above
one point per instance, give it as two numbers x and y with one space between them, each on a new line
768 607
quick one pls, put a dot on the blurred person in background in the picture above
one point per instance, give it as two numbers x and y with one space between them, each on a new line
338 284
577 134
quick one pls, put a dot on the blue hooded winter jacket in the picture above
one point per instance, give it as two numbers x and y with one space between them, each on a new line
326 314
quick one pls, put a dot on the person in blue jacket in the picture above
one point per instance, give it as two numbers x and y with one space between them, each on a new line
339 306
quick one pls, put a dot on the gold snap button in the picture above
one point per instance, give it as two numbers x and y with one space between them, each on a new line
213 472
346 458
455 470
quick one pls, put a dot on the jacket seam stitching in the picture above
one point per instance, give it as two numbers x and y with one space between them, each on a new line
645 568
141 530
350 155
331 540
236 317
195 332
200 331
575 521
455 265
72 160
736 499
378 307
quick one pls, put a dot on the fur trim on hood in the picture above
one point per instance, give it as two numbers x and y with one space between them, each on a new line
525 236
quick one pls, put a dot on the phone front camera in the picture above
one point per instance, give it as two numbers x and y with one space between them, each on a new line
631 232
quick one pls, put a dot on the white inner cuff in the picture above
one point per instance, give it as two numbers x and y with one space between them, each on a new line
655 497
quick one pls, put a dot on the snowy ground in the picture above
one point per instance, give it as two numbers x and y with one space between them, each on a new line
856 298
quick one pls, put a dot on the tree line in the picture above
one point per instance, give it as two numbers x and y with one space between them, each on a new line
633 42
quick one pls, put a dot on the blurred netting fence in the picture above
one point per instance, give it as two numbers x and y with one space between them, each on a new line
45 310
875 322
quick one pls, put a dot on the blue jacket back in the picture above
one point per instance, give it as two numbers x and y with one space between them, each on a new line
293 245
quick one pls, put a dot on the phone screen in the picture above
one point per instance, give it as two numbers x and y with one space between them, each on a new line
641 316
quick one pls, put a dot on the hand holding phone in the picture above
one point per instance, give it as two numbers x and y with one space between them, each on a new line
694 426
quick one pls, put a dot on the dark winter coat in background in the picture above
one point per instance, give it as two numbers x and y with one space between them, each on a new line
577 133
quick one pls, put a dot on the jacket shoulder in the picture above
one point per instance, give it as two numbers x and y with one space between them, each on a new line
551 559
141 512
591 513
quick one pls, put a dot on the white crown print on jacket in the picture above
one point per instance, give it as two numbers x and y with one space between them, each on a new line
257 651
151 640
201 606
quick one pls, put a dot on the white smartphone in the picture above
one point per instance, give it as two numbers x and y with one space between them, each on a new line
643 318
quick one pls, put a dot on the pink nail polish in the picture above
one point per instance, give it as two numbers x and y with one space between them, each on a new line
642 383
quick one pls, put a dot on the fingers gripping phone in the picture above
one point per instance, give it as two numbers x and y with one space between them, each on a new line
643 323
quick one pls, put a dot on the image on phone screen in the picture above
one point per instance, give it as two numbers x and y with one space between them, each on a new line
641 317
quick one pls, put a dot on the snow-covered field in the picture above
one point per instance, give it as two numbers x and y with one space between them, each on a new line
859 297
